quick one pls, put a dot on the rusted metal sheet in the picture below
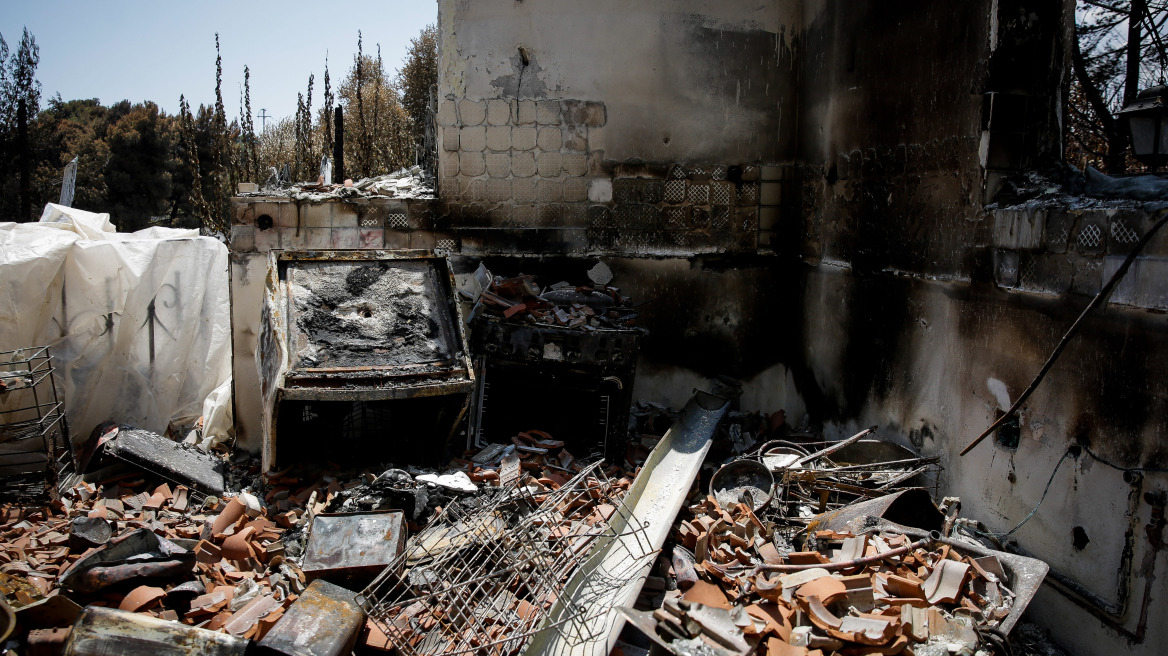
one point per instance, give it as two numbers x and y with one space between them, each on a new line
353 544
913 507
324 621
103 631
138 554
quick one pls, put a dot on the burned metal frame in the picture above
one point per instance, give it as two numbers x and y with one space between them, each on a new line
282 382
33 368
381 382
607 357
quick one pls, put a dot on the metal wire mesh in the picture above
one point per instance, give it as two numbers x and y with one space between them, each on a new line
32 428
483 580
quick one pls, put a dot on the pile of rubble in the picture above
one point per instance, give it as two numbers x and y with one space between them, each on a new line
238 563
794 550
172 554
582 307
798 549
410 182
879 592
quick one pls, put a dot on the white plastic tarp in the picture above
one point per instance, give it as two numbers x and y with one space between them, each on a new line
139 323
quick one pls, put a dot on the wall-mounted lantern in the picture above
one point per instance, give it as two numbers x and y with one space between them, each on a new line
1147 119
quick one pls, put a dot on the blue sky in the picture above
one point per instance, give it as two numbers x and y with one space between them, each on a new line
122 49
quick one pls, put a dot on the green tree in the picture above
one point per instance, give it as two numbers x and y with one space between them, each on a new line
20 94
418 80
277 145
138 174
64 130
377 138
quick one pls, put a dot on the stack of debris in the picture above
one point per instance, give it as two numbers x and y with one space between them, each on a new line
237 563
404 183
163 552
877 592
754 569
583 307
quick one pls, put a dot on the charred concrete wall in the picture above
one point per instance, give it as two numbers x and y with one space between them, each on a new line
902 114
625 127
924 313
879 290
796 193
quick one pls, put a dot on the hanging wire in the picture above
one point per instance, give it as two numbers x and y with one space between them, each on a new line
1003 536
1126 469
1069 452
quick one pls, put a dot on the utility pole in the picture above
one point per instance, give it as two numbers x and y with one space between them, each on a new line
264 116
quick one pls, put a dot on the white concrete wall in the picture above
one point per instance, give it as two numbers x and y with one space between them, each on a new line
682 80
247 297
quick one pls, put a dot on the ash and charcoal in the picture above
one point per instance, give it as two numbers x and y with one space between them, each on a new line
418 494
353 314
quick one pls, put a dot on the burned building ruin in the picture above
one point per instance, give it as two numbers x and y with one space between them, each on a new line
820 203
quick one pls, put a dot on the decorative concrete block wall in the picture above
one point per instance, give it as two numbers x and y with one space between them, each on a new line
263 224
540 164
519 163
1054 251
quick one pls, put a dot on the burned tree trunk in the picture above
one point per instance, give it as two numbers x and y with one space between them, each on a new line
339 147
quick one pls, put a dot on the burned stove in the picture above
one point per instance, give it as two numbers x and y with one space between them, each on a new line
575 384
362 357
